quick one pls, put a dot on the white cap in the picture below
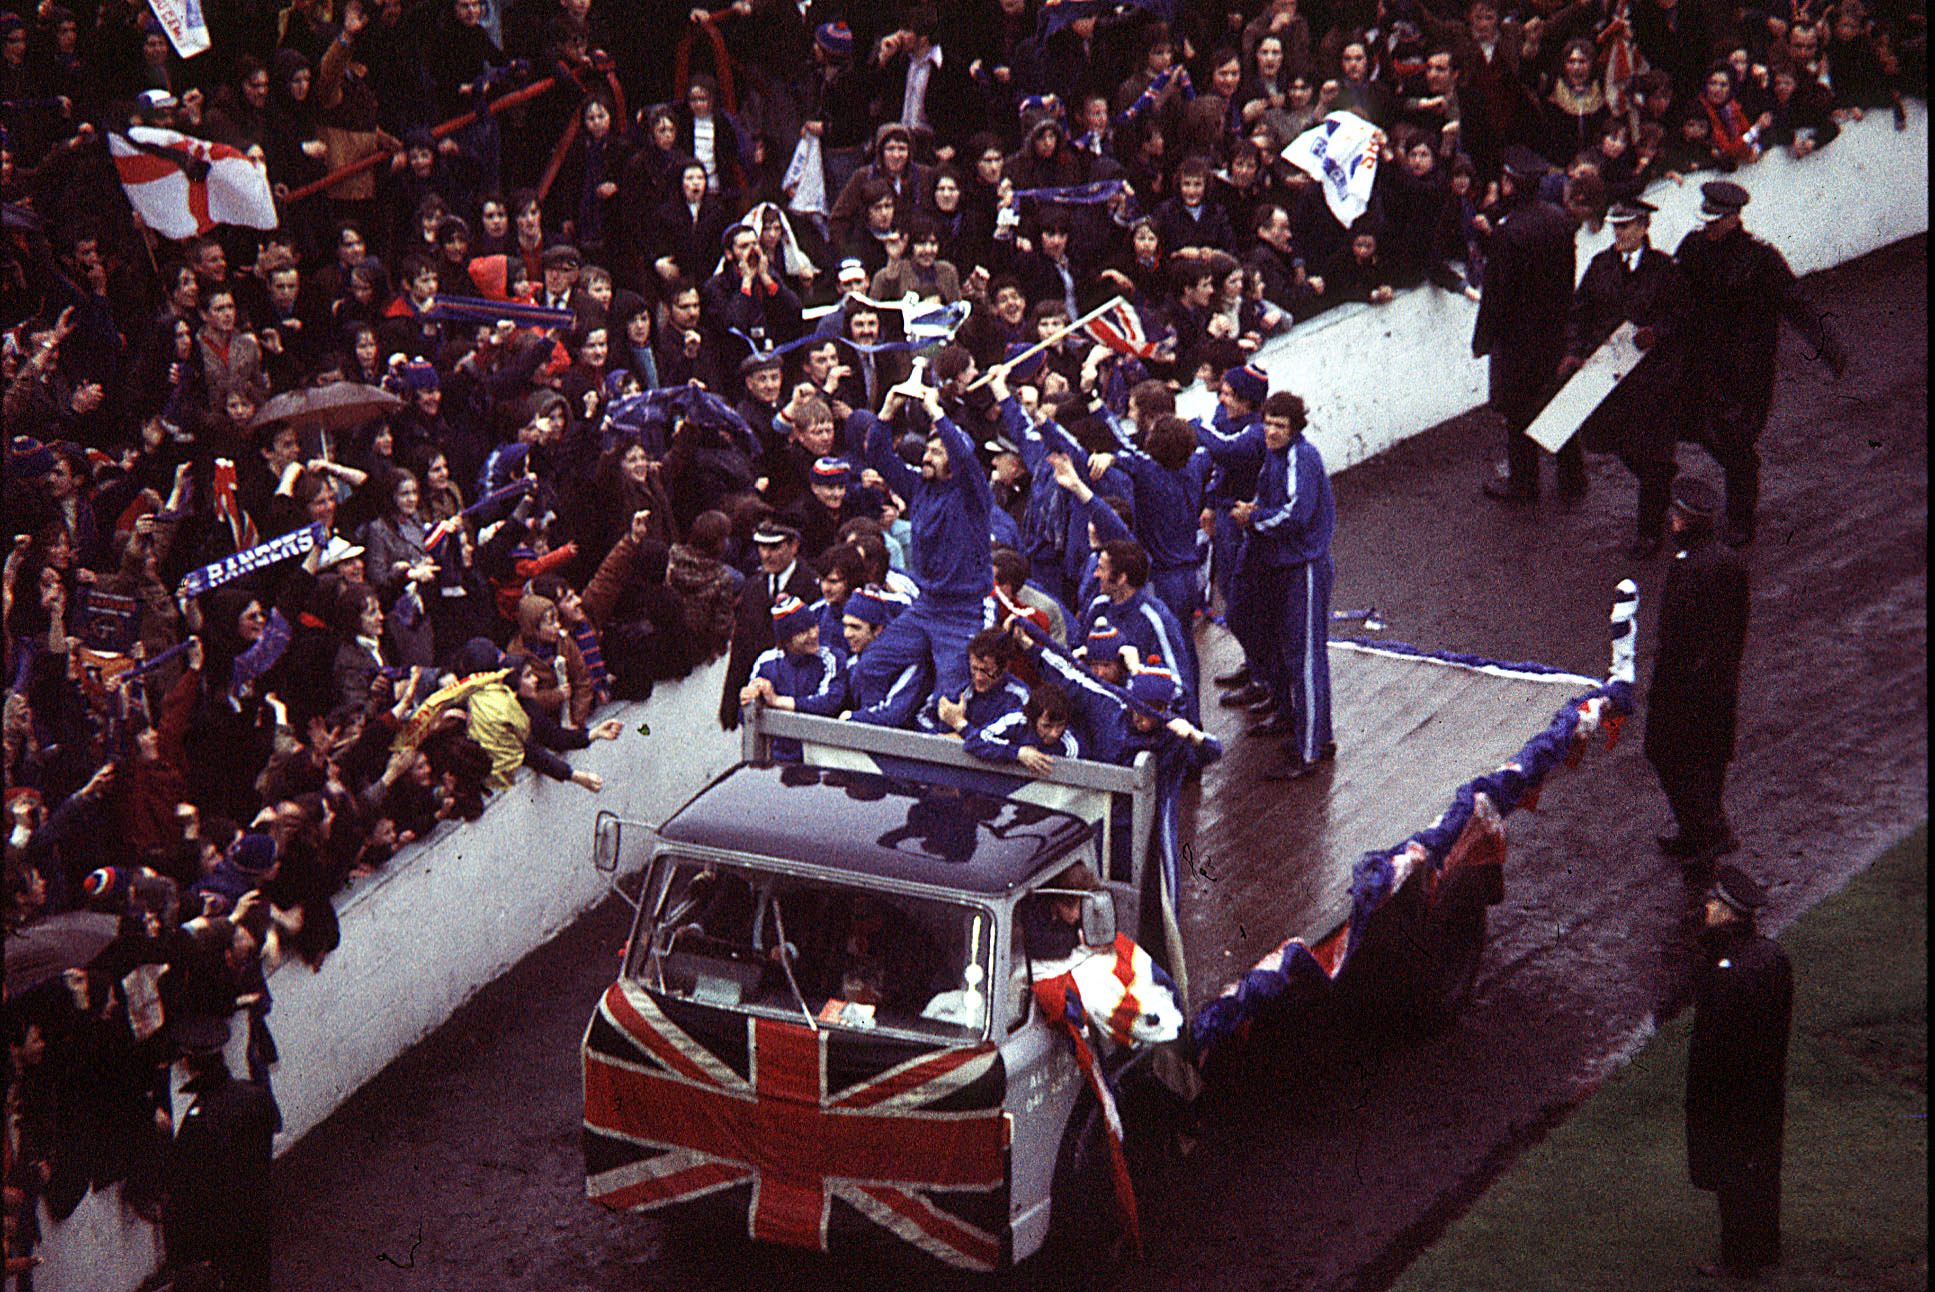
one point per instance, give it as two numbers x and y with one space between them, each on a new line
338 551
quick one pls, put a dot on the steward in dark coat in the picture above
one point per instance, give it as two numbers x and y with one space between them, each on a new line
1634 421
1736 1074
1690 708
1521 324
219 1205
1740 289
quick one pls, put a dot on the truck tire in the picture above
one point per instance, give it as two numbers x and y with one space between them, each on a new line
1450 947
1082 1228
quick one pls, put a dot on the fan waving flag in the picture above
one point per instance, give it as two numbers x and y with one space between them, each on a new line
1119 327
182 186
1340 152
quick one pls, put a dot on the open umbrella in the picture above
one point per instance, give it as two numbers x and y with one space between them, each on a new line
335 407
48 948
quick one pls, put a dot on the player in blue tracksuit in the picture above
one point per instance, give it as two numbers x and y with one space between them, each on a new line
841 571
1074 558
992 692
1119 590
1145 622
1115 730
1234 442
799 673
1033 736
1290 523
948 503
1169 478
889 702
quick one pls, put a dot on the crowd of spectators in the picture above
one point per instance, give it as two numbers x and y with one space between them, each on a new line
741 223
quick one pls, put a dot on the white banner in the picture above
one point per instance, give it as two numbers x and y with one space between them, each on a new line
185 24
1586 390
1339 153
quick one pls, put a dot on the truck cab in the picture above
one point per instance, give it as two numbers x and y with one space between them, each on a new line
825 1019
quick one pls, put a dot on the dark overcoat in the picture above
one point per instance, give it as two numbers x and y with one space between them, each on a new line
1637 419
1691 706
1521 325
1739 289
1736 1068
219 1196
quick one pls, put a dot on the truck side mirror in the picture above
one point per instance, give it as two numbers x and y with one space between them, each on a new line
606 834
1098 919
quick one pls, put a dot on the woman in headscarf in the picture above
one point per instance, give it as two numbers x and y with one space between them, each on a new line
583 201
562 684
292 143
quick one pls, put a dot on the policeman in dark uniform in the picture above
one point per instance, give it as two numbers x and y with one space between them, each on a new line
1633 281
1522 325
1690 709
1740 289
1736 1074
218 1207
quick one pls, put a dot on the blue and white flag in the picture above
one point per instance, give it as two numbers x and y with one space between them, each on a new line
1341 153
934 322
185 24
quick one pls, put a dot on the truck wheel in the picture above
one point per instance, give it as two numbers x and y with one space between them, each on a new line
1451 946
1082 1228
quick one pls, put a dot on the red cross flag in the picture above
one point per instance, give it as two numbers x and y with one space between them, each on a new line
182 186
908 1138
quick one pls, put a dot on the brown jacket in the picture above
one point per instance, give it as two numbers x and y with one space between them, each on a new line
575 673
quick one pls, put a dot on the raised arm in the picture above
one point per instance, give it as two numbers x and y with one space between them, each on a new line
878 441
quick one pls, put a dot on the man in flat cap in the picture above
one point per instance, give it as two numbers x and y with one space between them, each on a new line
1740 288
1690 708
562 265
1521 325
1736 1074
1632 281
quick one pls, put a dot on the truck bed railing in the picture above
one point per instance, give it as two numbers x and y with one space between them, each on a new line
759 725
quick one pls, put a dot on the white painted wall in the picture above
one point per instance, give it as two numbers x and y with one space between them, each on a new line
453 913
442 919
458 910
1374 375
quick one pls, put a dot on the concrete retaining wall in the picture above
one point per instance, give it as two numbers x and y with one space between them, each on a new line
456 911
442 919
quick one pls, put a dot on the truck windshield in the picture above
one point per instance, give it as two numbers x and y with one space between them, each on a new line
726 936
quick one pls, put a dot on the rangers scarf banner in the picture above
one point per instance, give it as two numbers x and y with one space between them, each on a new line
182 186
793 1120
1339 152
296 542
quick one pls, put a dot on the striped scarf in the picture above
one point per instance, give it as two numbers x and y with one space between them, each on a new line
594 656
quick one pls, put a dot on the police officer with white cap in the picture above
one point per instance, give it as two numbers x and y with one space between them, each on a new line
1633 281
